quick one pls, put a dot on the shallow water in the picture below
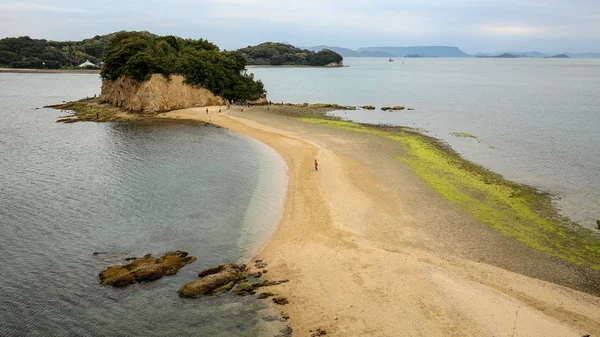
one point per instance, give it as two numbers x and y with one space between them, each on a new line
537 120
68 190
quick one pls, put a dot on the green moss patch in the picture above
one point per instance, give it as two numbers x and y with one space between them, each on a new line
516 210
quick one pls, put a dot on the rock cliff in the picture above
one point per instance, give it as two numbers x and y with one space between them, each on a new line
158 94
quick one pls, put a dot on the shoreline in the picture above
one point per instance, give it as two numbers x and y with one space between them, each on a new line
47 71
321 245
371 247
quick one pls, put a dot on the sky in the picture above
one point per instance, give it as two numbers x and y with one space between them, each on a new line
551 26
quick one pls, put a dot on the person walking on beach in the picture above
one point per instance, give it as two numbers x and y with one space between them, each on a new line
316 165
207 110
210 118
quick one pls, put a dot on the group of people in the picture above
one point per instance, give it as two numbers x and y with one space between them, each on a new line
249 105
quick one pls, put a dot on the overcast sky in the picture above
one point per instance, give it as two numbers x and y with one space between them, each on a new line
472 25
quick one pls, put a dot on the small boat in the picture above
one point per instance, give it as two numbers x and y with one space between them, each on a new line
390 60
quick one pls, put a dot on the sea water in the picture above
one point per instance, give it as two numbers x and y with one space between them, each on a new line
537 121
69 190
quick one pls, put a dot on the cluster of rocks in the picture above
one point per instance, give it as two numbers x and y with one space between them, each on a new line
145 269
221 279
231 277
395 108
385 108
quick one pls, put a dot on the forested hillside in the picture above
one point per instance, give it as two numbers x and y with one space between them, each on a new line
275 54
139 55
25 52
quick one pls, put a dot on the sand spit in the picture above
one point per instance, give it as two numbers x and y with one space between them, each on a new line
372 250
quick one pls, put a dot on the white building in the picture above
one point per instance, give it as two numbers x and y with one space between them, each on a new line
87 63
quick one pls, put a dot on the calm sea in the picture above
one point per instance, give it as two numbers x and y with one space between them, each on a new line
537 120
68 190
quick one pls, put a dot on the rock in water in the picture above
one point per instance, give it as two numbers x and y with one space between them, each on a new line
280 300
145 269
117 276
212 279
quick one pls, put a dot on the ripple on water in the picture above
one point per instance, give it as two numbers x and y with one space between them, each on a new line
69 190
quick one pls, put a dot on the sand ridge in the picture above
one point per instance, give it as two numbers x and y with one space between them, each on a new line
360 263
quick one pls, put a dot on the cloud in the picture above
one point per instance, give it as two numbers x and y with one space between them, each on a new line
511 30
497 24
24 6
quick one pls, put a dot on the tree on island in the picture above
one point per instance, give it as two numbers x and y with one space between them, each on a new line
139 55
275 54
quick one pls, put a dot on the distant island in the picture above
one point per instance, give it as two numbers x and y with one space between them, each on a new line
423 51
501 56
27 53
440 51
276 54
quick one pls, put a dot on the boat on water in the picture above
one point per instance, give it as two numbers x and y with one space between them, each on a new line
390 60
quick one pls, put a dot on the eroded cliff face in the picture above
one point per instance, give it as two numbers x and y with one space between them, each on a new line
158 94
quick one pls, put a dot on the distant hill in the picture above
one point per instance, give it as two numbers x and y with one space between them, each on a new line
501 56
583 55
275 54
540 55
560 56
425 51
515 53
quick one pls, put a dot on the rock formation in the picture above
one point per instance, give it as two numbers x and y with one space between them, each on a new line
225 277
158 94
147 269
213 279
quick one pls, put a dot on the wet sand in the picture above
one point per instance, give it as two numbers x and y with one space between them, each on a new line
372 250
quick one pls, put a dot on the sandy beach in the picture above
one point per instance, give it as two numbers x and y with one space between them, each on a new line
372 250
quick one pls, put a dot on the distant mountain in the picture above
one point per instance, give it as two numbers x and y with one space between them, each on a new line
515 53
438 51
424 51
501 56
584 55
560 56
345 52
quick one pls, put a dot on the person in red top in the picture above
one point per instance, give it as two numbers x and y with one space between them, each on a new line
316 165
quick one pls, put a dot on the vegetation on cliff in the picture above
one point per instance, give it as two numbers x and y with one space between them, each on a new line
275 54
25 52
139 55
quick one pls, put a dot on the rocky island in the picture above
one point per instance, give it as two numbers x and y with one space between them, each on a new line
148 73
277 54
145 269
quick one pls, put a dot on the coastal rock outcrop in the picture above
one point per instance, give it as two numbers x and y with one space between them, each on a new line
226 277
158 94
145 269
213 279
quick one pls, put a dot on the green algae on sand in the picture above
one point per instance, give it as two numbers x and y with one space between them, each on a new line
516 210
463 135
